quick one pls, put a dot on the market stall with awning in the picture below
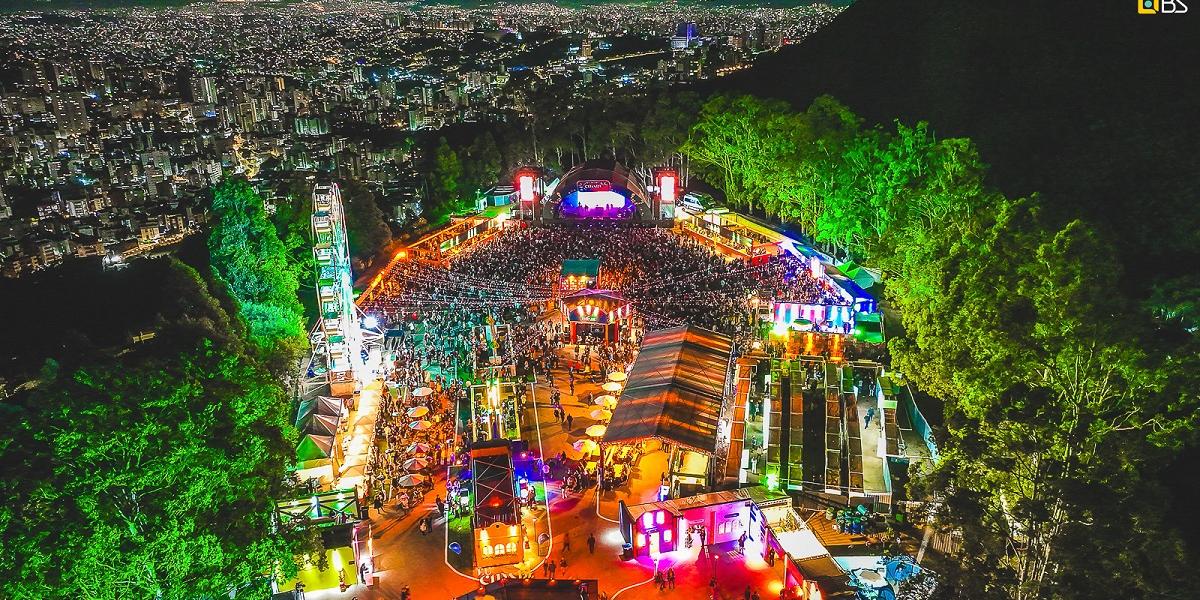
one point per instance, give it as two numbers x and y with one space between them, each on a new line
675 391
320 405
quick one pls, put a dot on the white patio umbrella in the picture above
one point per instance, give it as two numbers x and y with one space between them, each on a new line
411 480
422 391
605 399
617 376
596 430
586 446
611 387
415 464
418 411
420 425
600 414
417 448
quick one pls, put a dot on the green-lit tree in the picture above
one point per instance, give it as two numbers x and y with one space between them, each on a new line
738 142
149 474
248 257
1065 397
1060 417
293 225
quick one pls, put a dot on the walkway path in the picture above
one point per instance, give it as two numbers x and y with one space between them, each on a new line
362 435
405 557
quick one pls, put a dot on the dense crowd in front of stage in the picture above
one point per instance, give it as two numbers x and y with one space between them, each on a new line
513 278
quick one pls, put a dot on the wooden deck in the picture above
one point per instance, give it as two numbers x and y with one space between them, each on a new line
831 537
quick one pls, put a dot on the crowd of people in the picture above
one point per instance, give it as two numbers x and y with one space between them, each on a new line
667 275
414 434
670 278
487 308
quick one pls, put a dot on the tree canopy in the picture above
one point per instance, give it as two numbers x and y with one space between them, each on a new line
248 256
148 474
445 179
481 164
366 228
1065 398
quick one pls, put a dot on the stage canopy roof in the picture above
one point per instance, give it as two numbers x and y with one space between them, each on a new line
596 306
675 390
492 476
322 424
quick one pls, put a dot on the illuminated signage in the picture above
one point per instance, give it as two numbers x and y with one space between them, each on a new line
594 185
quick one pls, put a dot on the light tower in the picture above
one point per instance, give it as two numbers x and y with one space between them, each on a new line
666 187
337 339
528 182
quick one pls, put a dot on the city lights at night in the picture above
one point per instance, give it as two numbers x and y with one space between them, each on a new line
599 299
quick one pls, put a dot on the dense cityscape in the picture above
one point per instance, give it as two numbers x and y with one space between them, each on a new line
588 300
115 120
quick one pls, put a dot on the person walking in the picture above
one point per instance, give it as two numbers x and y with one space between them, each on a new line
671 577
591 542
570 420
553 566
566 542
562 564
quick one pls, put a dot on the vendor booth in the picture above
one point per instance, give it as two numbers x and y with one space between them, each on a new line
346 542
497 517
320 452
579 274
675 395
669 525
764 522
813 317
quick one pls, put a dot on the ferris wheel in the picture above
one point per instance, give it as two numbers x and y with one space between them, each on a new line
339 351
